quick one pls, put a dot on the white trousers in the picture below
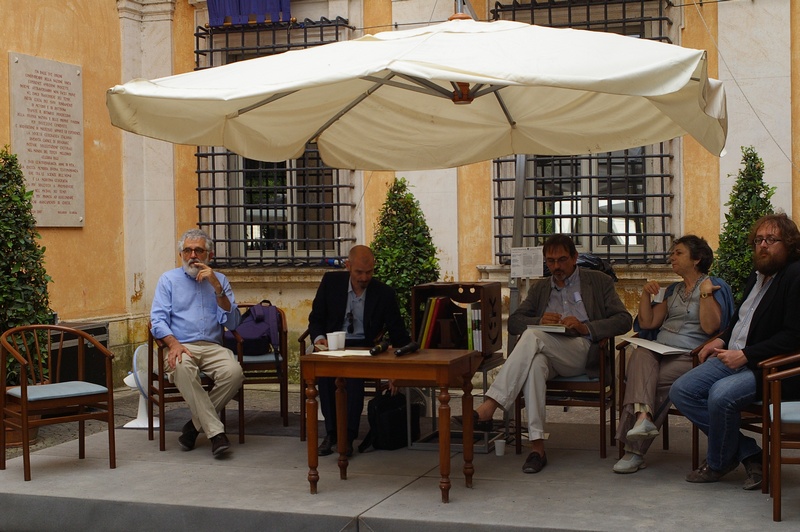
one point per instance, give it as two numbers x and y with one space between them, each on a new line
538 356
221 366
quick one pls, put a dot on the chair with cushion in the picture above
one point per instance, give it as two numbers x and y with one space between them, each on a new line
782 431
161 391
53 388
582 390
268 363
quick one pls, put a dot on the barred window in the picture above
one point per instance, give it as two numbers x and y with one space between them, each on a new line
296 212
617 205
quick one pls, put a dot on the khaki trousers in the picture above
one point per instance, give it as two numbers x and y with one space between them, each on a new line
219 364
649 376
538 356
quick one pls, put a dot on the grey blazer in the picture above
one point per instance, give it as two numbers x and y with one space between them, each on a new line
607 314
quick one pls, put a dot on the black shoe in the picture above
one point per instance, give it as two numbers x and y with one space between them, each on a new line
752 466
326 447
188 436
534 463
219 444
477 424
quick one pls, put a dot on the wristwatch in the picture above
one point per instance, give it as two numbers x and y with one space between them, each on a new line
705 295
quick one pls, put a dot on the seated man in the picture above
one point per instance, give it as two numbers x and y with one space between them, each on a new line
582 300
767 323
190 307
354 302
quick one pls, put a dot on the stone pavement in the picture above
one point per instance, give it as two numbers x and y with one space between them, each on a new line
263 485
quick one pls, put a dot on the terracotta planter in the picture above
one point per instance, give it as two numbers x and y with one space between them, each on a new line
14 436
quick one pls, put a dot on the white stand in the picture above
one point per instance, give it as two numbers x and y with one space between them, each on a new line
141 415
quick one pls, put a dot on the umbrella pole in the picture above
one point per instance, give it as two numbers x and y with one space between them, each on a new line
516 232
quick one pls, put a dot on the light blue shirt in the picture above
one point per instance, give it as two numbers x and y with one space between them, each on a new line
188 310
355 305
568 301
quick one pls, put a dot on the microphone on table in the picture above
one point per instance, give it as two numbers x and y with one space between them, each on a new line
379 348
411 347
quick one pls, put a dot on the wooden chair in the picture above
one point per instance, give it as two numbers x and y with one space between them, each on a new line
52 361
782 429
160 390
271 367
582 390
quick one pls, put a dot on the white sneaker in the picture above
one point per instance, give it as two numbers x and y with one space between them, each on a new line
644 430
630 463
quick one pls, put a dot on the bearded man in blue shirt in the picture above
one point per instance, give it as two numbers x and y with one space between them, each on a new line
190 307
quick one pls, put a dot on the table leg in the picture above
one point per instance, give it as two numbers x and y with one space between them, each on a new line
311 430
444 442
341 426
469 430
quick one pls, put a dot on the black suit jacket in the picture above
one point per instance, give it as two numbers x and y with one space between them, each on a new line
775 327
381 311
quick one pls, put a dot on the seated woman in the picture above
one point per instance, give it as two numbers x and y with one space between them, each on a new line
691 312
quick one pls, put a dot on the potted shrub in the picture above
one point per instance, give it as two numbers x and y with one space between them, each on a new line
23 279
404 252
749 201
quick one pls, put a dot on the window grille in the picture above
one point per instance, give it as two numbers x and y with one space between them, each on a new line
617 205
295 212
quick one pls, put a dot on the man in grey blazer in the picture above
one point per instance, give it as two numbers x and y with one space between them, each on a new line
586 304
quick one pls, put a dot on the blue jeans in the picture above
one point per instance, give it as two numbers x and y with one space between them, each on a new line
712 396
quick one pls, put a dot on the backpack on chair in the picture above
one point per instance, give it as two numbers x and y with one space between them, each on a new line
259 329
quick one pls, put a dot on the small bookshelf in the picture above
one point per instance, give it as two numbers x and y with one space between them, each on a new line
458 316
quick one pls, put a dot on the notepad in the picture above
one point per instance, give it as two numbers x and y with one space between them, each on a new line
657 347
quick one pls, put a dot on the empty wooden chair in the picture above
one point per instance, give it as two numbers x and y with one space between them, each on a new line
52 389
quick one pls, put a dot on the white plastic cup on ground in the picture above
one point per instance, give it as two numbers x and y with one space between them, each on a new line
659 297
500 447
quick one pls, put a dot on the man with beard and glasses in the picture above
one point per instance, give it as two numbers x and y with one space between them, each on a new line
586 304
190 307
728 379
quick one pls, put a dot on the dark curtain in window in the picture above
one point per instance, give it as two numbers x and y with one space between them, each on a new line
239 11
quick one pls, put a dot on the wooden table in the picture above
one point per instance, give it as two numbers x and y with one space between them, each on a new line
443 368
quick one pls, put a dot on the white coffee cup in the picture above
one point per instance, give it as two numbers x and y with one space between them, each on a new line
500 447
333 341
659 297
336 340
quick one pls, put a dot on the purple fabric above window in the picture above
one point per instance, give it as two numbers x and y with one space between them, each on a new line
239 11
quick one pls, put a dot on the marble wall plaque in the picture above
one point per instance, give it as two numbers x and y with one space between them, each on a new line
47 136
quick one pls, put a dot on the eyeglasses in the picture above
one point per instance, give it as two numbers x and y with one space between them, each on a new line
196 251
560 260
350 326
769 240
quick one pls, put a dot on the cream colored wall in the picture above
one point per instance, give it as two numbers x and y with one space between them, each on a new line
755 63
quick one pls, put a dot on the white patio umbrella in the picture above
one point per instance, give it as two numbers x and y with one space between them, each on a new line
437 97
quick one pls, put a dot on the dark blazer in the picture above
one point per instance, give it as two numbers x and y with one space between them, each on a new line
775 327
381 311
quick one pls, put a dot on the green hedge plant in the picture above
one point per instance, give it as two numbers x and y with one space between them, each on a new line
749 201
23 280
404 252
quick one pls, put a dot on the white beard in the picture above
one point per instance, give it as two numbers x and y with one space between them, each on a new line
190 269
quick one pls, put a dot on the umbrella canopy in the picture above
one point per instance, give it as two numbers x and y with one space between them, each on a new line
437 97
